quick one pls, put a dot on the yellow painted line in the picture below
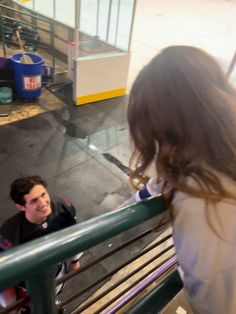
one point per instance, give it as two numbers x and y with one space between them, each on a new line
24 1
100 96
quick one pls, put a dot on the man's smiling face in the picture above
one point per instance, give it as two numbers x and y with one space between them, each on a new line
37 205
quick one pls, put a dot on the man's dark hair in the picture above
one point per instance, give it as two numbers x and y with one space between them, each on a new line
22 186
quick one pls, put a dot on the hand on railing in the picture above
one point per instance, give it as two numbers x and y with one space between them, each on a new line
74 266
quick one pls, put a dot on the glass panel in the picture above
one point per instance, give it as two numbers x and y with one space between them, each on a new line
124 24
103 18
88 16
110 20
65 11
114 20
107 21
44 7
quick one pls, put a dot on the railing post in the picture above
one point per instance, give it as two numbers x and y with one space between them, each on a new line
109 19
132 25
3 35
52 28
41 289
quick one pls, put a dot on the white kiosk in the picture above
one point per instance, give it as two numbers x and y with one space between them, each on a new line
99 56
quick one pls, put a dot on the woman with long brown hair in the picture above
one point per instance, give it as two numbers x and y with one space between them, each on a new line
182 119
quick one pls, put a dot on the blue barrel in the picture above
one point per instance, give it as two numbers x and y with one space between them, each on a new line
28 77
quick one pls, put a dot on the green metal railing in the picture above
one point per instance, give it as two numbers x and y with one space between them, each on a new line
33 262
167 289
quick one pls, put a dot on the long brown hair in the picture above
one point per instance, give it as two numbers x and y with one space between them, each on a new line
181 115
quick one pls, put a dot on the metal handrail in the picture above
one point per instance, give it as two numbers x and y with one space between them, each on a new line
114 271
122 280
33 261
73 273
168 288
25 23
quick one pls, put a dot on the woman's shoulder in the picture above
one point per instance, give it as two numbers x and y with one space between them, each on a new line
195 215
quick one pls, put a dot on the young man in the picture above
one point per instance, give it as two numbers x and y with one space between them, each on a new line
38 215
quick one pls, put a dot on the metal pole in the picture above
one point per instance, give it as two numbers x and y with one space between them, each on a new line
54 9
158 297
52 43
71 274
77 22
75 54
119 282
140 283
97 21
108 20
3 35
132 25
232 65
41 288
117 21
111 273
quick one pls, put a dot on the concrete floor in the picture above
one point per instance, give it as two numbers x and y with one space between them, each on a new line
72 147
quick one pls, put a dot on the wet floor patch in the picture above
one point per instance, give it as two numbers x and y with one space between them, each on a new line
64 91
117 163
72 129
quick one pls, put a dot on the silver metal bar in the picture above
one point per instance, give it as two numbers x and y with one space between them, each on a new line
3 35
232 65
117 21
97 20
54 9
76 31
109 19
131 25
52 27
